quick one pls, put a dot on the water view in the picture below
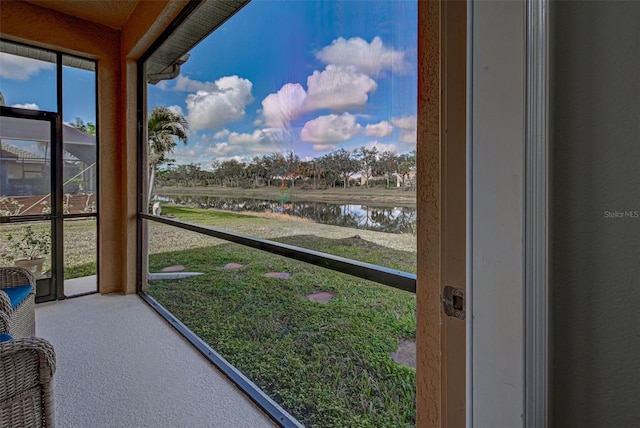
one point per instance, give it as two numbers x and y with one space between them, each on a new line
381 219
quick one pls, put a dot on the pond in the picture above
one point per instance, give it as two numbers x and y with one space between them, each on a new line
381 219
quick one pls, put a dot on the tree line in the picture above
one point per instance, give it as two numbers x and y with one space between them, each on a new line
340 168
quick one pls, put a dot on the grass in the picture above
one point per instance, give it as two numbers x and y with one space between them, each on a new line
80 248
80 252
327 364
204 216
80 271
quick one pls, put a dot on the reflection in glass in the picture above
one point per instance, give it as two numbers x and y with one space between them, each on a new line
25 167
79 136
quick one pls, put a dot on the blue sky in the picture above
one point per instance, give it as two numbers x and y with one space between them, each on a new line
306 76
28 83
31 84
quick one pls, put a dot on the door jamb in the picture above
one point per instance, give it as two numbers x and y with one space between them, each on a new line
441 197
55 218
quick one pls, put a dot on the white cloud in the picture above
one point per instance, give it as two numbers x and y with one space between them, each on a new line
379 130
370 58
408 137
381 147
187 155
408 126
184 84
221 134
338 88
275 138
335 88
406 123
240 146
15 67
226 150
203 152
326 131
30 106
285 105
225 102
176 110
254 138
324 147
163 85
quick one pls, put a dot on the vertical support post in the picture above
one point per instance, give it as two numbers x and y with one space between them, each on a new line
442 152
429 373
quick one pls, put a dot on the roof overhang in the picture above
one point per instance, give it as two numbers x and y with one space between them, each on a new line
45 55
207 16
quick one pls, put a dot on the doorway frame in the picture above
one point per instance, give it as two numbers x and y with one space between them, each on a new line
508 213
442 212
54 285
58 194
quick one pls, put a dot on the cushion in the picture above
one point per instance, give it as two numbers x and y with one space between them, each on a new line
4 337
17 294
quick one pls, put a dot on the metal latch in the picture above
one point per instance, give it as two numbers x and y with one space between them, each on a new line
453 302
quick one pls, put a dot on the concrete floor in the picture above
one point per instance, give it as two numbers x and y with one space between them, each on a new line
83 285
120 365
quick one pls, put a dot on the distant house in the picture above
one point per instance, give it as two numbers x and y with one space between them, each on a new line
408 179
22 172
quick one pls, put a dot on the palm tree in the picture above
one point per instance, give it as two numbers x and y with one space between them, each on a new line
164 128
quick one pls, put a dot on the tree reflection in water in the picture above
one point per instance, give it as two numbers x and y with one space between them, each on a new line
381 219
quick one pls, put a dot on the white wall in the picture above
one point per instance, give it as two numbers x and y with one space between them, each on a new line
496 236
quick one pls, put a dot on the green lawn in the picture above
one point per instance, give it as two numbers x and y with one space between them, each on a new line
329 365
80 250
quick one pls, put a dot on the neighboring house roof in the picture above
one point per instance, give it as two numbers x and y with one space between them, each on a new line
8 151
76 142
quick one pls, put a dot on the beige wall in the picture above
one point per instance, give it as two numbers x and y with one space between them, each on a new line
115 52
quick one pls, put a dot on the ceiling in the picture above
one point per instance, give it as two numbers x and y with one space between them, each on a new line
112 13
207 16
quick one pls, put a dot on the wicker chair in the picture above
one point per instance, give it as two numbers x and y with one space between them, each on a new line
4 322
27 366
22 320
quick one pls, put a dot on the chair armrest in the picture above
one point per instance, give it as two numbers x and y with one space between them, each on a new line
13 276
4 322
5 303
43 348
